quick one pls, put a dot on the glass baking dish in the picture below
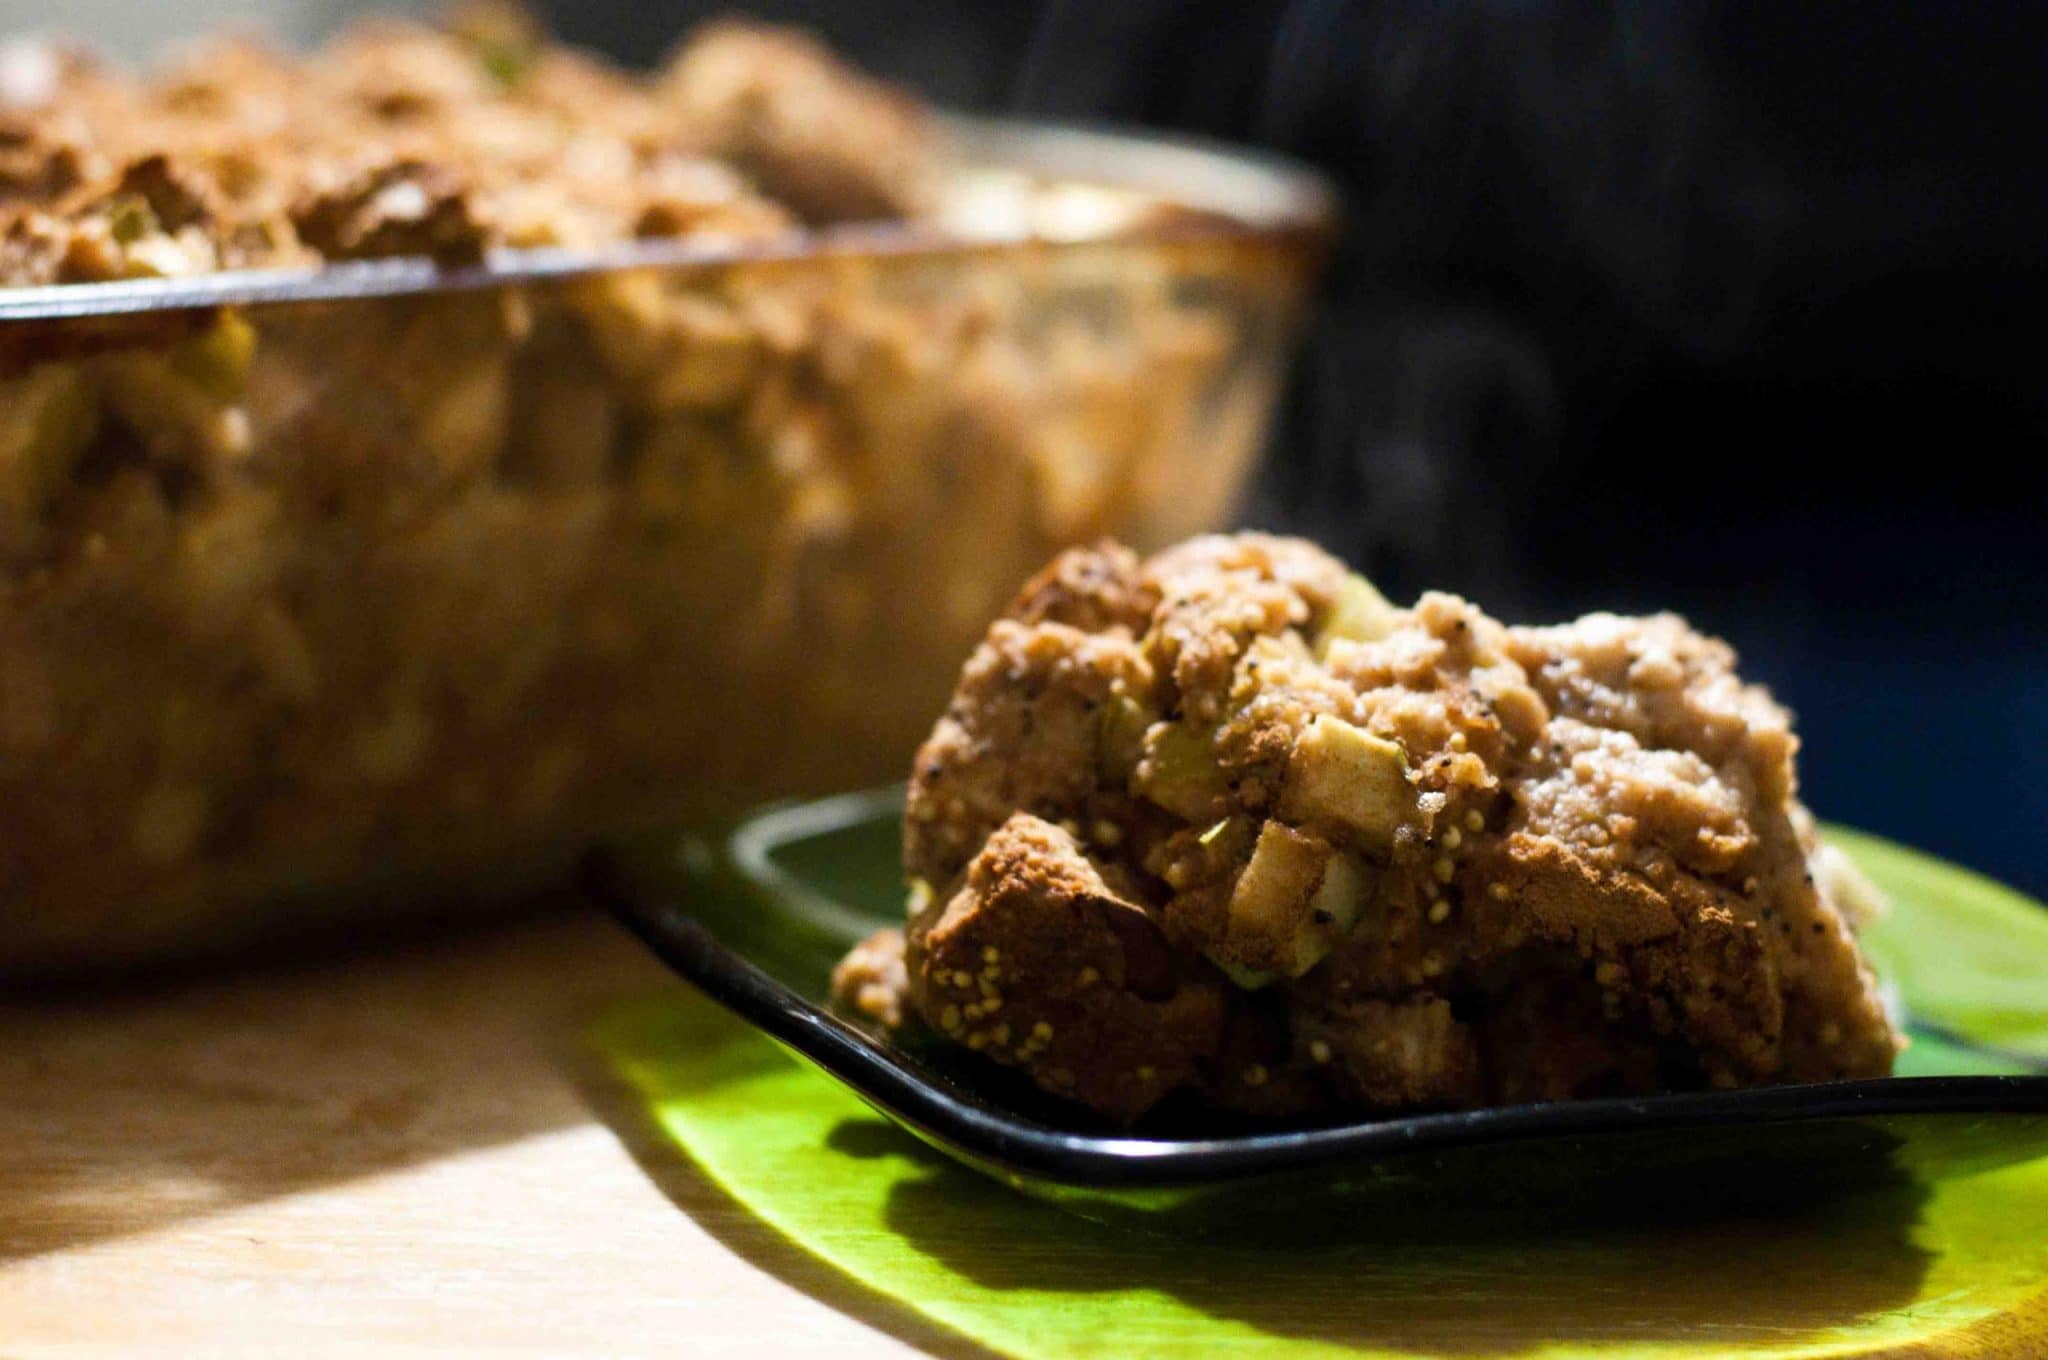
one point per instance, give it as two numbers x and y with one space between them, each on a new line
382 585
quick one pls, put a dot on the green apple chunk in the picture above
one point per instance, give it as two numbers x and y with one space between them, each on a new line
47 417
217 360
1179 772
1120 736
1359 614
1344 776
1295 899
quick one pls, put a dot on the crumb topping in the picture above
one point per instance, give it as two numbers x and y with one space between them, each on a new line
399 138
1335 852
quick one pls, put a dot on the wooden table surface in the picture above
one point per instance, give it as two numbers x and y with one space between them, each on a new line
401 1152
411 1151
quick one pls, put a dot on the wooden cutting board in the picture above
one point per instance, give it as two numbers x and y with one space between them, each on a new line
403 1152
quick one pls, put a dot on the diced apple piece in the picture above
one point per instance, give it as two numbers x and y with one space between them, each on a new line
47 417
1120 736
1293 902
1271 899
217 360
1359 614
1335 907
1343 775
1332 910
1273 891
1179 772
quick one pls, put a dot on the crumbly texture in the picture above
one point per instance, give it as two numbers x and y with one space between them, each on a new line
1224 821
310 611
402 139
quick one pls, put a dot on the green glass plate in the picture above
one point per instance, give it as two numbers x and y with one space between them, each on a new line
1905 1234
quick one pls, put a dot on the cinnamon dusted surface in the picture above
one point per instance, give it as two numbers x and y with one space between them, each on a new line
1364 856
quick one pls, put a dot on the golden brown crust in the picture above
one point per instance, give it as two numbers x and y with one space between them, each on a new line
1593 875
398 138
1093 589
1021 732
419 585
1394 1054
871 981
1037 962
814 134
398 208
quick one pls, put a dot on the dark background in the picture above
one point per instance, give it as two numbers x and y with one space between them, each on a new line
1733 308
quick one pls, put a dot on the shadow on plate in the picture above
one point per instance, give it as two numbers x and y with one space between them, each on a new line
1847 1245
1472 1271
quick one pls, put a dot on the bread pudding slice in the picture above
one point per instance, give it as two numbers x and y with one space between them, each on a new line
1224 821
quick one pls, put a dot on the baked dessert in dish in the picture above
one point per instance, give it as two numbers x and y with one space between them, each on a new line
1223 824
404 139
608 448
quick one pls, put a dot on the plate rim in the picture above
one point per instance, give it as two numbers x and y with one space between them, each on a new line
1020 1147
